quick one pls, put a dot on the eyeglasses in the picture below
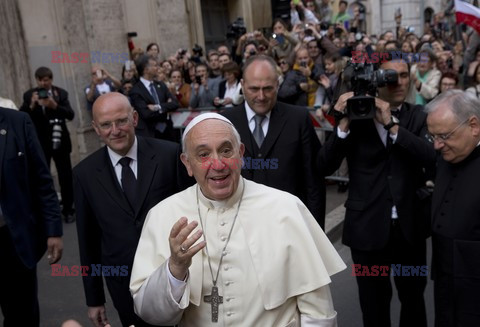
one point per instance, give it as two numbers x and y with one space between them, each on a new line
106 126
444 137
283 63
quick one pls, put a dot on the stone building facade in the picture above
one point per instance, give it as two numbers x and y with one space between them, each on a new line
34 32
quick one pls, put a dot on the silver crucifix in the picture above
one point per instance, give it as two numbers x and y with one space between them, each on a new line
214 299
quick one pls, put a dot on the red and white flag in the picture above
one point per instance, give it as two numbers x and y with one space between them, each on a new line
468 14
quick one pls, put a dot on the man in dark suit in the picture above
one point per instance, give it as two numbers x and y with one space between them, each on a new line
384 221
454 123
30 219
115 187
280 143
49 108
153 102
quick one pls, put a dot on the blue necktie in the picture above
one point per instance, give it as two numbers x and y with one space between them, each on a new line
154 93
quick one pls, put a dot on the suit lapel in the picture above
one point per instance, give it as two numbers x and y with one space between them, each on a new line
146 93
241 124
275 127
146 168
107 178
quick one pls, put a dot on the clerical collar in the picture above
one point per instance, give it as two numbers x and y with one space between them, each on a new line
229 203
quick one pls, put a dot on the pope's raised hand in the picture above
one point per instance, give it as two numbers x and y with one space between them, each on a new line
182 247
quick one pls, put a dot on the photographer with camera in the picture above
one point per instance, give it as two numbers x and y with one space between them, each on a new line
204 89
282 42
49 108
300 86
102 82
320 45
386 219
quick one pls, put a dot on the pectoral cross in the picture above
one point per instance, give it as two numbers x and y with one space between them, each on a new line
214 299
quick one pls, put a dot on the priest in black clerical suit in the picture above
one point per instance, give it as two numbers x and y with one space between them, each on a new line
454 123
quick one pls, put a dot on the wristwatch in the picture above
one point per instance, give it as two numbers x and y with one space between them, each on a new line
394 121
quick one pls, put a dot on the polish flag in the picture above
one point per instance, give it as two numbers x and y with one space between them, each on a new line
468 14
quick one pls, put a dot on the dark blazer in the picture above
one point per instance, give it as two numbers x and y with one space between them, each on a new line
108 229
291 140
456 212
147 119
456 236
29 201
42 122
381 177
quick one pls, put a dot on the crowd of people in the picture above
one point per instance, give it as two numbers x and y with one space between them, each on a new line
387 119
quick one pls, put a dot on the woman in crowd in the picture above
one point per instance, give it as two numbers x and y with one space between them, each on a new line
179 88
448 81
425 79
300 84
407 47
167 67
129 74
153 50
283 68
334 66
229 89
282 42
161 76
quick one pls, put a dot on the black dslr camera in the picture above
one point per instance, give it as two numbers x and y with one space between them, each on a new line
363 79
236 29
56 133
197 51
42 93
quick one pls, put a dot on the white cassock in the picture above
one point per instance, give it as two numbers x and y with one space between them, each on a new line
275 272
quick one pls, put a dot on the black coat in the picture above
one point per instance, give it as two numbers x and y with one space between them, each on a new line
28 199
291 140
108 229
456 233
140 98
381 177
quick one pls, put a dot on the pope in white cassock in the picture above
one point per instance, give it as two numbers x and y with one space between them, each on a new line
239 253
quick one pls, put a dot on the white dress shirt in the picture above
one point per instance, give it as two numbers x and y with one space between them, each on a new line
251 121
115 158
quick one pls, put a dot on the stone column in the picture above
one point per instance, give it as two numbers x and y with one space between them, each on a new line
95 27
15 76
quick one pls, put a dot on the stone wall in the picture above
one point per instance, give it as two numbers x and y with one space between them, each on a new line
15 77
